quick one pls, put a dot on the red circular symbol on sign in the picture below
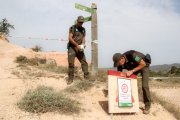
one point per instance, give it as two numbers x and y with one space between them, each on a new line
124 88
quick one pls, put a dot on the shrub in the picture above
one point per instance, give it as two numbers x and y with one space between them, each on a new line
45 99
31 61
79 86
102 75
37 48
41 63
21 59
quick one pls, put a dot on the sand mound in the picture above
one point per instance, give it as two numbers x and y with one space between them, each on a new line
12 51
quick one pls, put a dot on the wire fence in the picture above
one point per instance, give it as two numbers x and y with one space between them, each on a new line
40 38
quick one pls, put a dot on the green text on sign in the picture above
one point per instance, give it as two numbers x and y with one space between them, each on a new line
84 8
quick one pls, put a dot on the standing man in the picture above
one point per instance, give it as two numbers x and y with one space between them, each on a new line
76 47
136 62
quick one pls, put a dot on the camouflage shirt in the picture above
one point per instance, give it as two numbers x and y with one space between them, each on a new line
78 34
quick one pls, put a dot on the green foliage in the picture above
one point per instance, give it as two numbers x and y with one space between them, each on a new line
5 26
178 72
45 99
173 70
155 74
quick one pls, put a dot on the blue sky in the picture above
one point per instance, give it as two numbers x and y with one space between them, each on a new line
149 26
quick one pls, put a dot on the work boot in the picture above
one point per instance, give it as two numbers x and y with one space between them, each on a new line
86 76
69 81
146 110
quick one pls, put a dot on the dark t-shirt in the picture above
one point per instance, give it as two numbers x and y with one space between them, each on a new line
78 34
133 59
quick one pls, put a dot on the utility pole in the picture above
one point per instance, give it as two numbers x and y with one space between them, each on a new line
94 43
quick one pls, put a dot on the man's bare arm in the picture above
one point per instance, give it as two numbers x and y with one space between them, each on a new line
71 40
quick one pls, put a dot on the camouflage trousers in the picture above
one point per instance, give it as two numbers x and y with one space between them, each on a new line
72 54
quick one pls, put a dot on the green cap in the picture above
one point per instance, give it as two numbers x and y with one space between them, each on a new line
116 58
80 19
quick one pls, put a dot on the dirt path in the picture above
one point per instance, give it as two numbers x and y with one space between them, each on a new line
94 101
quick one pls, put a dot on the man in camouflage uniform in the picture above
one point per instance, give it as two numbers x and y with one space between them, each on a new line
76 47
136 62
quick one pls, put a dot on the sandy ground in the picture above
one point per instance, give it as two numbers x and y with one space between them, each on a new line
94 101
170 95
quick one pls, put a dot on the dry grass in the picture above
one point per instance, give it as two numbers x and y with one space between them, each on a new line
53 68
30 61
102 75
79 86
30 68
30 72
17 73
45 99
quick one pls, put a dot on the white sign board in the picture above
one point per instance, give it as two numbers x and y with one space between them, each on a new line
122 93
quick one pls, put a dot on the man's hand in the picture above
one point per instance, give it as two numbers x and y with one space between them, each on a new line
84 45
77 48
129 73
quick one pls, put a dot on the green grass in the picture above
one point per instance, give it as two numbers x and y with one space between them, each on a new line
45 99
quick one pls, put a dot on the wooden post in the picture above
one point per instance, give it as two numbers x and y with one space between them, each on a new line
94 42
